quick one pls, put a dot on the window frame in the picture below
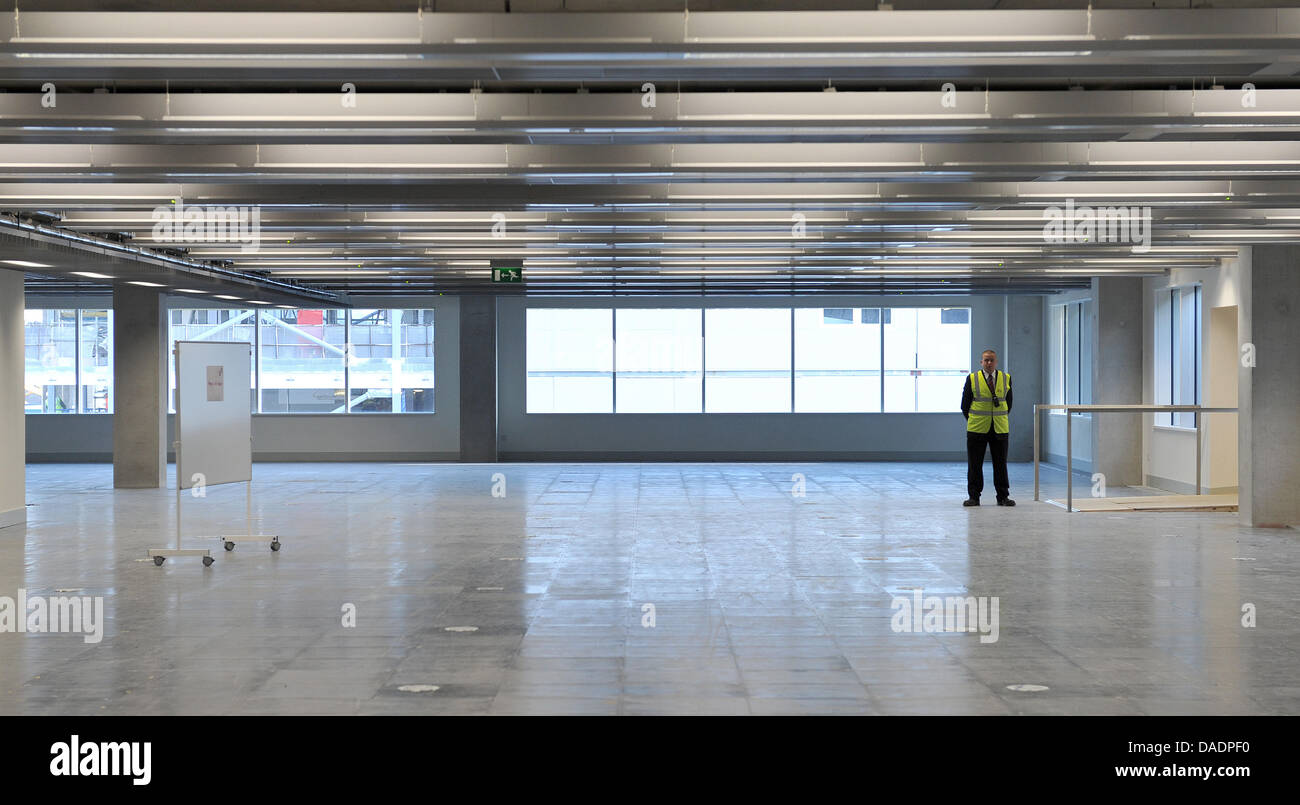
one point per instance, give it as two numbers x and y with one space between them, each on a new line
78 374
396 315
884 318
1066 359
1169 313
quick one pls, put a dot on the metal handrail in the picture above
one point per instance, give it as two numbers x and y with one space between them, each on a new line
1070 408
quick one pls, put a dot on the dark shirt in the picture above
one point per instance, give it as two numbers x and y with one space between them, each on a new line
968 396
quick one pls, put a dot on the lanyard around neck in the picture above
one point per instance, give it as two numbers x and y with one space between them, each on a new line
992 387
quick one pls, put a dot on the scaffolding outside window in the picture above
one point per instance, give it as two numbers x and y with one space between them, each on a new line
304 360
68 361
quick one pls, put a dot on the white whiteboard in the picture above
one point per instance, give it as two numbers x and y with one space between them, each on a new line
214 418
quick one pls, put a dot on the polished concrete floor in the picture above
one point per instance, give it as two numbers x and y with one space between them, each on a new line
764 602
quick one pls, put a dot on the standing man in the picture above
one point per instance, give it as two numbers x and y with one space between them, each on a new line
985 402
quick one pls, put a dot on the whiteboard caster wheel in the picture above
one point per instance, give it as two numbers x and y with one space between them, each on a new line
230 546
275 546
158 560
207 561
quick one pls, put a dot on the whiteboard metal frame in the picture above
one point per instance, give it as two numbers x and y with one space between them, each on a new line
160 555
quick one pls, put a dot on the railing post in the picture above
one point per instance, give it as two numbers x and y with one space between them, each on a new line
1037 416
1197 415
1069 461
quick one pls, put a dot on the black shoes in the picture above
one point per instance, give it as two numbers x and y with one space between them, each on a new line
971 502
1006 502
1001 502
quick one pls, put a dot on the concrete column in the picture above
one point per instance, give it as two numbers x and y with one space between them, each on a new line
1024 361
1117 378
13 460
478 378
140 356
1269 422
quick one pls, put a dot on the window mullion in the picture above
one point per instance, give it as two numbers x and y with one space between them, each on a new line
704 358
257 361
76 360
880 322
347 361
613 360
918 373
792 338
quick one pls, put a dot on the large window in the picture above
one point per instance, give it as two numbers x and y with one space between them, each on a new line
1178 353
570 361
749 360
1069 359
836 359
68 361
301 361
50 358
927 355
658 354
298 359
210 324
95 361
390 361
326 361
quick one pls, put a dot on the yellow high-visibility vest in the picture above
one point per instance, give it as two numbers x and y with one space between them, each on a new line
982 406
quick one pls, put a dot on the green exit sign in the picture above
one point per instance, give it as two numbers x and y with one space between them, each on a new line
515 274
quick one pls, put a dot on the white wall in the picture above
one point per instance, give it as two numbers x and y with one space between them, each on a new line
1223 355
13 473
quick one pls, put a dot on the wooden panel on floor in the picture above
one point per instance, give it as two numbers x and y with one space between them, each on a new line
1154 503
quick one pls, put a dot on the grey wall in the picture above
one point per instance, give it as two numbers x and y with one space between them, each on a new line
1053 436
1245 384
276 437
13 474
1274 422
478 376
1117 372
140 437
1023 358
722 437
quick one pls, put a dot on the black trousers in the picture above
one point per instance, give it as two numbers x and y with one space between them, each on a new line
997 443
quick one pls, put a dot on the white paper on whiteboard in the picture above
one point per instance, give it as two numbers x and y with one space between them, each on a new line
216 384
214 424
